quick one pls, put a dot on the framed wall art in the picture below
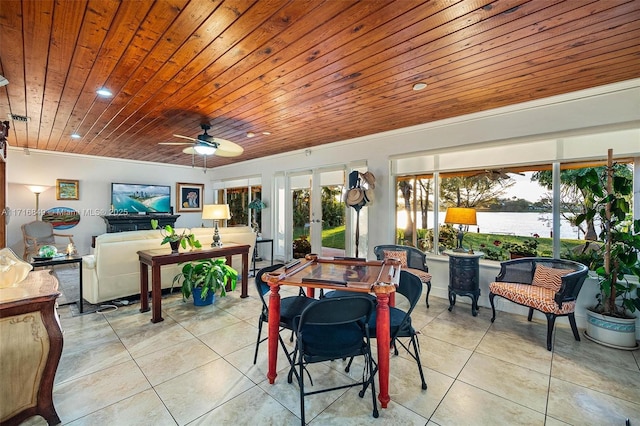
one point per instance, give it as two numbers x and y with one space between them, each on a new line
67 189
189 197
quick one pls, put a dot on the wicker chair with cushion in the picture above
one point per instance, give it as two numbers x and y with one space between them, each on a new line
548 285
37 234
411 259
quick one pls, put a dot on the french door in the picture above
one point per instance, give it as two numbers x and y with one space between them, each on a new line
310 204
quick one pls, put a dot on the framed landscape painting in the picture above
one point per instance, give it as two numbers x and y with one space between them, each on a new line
67 189
189 197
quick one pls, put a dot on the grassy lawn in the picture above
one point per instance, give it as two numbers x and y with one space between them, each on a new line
333 237
480 242
485 242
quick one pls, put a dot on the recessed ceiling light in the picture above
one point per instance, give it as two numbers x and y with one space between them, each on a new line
250 134
104 92
75 136
419 86
266 133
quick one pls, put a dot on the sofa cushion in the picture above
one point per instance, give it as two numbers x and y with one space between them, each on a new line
533 296
399 255
550 278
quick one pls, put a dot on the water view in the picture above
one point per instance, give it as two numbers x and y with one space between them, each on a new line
512 223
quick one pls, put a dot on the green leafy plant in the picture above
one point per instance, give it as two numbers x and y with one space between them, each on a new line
211 275
170 235
608 196
527 248
301 247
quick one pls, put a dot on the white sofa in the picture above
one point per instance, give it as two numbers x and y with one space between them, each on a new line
113 270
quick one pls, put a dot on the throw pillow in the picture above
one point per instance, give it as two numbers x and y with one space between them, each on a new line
550 278
398 255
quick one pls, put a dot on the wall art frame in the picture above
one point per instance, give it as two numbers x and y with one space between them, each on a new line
67 189
189 197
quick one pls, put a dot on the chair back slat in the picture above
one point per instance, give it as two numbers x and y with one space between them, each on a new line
336 311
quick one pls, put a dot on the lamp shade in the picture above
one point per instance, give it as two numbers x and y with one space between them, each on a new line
216 211
37 189
461 216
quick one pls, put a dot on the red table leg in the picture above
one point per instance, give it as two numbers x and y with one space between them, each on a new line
274 330
144 287
383 339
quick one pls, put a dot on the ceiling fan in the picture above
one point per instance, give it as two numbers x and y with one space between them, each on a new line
205 145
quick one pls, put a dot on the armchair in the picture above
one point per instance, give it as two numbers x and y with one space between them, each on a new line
37 234
411 260
548 285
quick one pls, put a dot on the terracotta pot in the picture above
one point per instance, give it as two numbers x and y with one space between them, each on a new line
619 333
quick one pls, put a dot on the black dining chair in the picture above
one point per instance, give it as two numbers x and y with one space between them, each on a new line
330 329
410 287
290 307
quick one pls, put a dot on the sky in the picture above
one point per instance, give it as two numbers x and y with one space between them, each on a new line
525 189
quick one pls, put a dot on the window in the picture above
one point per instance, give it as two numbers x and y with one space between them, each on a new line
238 199
515 210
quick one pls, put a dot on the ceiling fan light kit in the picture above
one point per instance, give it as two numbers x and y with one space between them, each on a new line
204 148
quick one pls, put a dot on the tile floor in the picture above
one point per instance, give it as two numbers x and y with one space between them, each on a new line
196 368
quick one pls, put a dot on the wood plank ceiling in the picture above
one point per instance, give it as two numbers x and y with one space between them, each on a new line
307 72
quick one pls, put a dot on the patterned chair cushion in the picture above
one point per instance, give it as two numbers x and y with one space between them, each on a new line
550 278
534 296
425 277
398 255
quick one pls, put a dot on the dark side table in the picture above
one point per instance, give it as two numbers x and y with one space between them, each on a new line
464 277
255 252
63 260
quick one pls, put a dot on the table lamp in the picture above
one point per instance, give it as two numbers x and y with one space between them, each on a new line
460 216
216 212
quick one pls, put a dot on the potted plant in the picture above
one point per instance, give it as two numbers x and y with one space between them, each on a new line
301 247
526 248
608 193
174 239
203 278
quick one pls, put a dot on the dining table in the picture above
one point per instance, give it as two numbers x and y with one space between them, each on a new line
378 277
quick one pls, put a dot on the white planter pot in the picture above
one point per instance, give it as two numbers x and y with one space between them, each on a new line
613 332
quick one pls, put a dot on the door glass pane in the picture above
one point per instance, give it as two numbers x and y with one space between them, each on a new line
301 208
333 221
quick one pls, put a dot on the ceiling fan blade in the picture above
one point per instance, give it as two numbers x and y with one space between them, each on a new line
185 137
227 148
175 143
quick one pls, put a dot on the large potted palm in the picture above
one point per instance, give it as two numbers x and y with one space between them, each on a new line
608 192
